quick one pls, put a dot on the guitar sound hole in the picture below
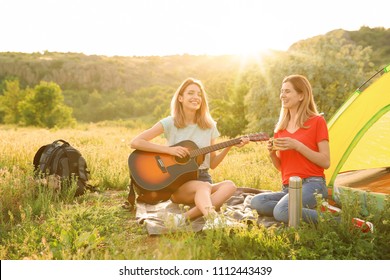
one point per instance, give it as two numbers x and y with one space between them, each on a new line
182 160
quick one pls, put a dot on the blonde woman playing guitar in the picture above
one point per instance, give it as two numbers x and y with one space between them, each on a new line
190 123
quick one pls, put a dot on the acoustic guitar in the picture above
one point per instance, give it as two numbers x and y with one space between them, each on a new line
156 176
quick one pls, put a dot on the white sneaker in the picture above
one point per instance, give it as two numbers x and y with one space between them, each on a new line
173 220
218 222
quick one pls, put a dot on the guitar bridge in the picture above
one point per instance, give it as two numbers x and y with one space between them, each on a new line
161 164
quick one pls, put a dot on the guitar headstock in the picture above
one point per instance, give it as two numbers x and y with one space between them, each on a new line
261 136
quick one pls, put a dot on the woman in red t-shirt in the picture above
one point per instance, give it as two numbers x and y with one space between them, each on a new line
300 148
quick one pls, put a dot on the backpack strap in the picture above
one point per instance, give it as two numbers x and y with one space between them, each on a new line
37 158
52 154
56 160
63 142
44 159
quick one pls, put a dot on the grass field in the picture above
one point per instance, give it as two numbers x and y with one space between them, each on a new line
37 222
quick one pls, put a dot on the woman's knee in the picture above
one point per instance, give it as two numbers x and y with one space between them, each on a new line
262 205
280 213
226 186
229 186
257 201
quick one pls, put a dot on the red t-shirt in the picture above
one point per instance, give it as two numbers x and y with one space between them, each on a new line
295 164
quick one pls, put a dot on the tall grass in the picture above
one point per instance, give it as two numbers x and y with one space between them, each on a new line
38 222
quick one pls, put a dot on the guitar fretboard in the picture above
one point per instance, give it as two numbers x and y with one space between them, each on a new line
212 148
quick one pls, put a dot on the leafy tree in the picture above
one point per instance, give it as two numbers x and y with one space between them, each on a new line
378 39
44 107
231 114
91 110
335 66
154 101
12 96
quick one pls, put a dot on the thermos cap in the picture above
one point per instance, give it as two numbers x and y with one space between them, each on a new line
295 182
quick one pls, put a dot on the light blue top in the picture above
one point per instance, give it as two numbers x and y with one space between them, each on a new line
201 137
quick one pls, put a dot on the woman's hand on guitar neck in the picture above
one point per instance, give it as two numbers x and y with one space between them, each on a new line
244 140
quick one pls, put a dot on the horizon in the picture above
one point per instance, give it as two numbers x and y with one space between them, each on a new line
177 27
246 54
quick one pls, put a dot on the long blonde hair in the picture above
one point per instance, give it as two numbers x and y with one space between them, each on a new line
306 109
202 117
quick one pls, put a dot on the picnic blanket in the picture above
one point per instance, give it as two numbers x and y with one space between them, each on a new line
237 210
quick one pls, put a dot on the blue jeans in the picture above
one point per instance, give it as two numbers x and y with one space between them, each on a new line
276 203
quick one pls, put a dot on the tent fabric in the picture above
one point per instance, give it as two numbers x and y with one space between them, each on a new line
359 132
375 180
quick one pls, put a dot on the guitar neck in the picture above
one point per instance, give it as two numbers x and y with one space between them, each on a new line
212 148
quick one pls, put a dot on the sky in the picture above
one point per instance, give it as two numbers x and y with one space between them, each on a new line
169 27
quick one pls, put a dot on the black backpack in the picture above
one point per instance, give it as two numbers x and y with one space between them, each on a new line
62 159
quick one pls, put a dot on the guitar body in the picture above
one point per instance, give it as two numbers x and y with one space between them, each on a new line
156 176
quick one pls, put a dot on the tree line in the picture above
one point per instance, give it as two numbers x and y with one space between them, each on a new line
58 89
